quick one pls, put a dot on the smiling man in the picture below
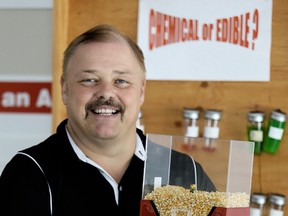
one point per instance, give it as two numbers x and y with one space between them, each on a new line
93 164
103 89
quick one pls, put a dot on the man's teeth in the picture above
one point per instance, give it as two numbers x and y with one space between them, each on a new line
105 111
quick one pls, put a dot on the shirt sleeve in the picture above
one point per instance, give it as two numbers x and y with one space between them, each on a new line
183 173
23 189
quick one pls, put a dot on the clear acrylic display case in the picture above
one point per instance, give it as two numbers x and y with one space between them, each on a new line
183 161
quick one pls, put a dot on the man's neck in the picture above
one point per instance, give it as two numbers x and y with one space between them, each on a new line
113 155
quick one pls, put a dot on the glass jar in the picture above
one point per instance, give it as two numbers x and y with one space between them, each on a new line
276 204
191 116
140 122
211 128
257 203
275 131
255 129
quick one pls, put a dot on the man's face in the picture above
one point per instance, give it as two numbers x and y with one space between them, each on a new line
103 90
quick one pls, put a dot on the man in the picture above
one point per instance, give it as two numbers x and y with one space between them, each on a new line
93 164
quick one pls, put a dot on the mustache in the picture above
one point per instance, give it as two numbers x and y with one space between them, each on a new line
101 101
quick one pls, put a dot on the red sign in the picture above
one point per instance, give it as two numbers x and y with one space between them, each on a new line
27 97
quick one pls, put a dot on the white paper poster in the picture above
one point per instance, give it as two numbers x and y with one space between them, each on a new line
208 40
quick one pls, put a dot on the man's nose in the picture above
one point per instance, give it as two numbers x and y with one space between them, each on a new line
106 90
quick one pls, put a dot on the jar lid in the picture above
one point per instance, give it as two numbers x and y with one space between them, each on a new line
277 199
258 198
140 115
191 113
256 116
213 114
278 115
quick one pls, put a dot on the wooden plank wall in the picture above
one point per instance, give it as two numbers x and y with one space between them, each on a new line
165 99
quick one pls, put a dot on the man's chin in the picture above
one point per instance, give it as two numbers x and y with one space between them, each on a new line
105 133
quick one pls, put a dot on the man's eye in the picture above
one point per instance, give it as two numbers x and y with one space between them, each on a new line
120 81
89 81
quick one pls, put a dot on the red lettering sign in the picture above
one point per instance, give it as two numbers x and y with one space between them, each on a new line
28 97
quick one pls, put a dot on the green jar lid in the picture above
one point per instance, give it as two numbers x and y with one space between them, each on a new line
278 115
256 116
191 113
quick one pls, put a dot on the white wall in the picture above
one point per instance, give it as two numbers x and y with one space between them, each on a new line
25 55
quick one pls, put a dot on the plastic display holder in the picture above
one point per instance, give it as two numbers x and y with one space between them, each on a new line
171 160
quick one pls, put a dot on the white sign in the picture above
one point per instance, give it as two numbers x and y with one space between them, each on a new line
220 40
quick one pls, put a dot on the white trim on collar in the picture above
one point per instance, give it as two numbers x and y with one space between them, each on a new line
139 152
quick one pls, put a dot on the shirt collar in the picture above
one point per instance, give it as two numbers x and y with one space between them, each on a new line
139 150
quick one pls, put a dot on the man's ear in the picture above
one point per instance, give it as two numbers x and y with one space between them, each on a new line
64 89
142 92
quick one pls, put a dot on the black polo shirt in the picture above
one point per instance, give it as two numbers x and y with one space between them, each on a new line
77 188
